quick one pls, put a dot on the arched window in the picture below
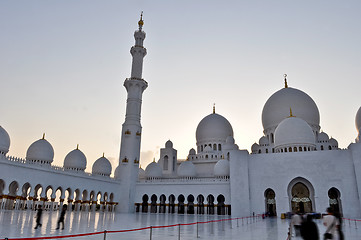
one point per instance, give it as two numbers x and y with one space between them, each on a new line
304 149
174 163
266 150
219 147
290 149
259 151
201 148
321 147
329 148
215 147
272 138
295 149
165 162
300 149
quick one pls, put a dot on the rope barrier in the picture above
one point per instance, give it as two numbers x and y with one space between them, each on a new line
105 232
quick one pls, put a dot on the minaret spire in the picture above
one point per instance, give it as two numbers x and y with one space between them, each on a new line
138 51
214 108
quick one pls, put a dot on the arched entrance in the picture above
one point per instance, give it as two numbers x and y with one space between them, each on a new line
334 200
270 202
301 195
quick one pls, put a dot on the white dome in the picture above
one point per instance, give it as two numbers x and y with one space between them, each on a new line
333 143
192 152
141 173
4 140
254 147
294 131
323 137
221 168
102 167
358 120
153 170
186 169
169 144
263 141
213 127
40 150
208 149
278 107
75 160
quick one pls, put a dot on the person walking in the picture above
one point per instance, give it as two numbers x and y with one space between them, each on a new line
309 230
62 215
296 222
331 223
38 216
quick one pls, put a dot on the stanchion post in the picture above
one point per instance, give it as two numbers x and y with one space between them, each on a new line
355 224
150 232
197 231
105 234
179 231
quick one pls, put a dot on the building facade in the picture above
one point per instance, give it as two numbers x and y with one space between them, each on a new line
293 167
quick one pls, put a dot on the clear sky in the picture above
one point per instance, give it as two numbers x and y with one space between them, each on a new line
63 63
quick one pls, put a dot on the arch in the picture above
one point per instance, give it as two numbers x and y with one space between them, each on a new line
190 204
37 192
26 189
200 203
219 147
162 204
181 199
2 186
290 149
49 192
145 199
171 200
221 207
329 147
165 162
270 202
301 195
335 200
295 149
153 203
321 147
210 204
215 147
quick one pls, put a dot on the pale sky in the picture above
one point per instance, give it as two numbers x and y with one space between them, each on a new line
63 64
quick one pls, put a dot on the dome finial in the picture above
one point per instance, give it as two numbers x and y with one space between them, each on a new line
291 115
285 76
141 22
77 147
103 154
43 135
214 108
153 159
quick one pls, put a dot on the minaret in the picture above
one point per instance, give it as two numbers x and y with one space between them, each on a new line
132 129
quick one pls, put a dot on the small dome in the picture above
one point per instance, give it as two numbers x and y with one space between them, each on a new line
358 120
294 131
278 107
208 149
192 152
323 137
119 171
153 170
75 160
263 141
333 143
254 147
102 167
230 140
221 169
40 151
169 144
186 169
4 141
213 127
141 173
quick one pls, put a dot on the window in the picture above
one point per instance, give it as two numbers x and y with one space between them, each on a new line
165 162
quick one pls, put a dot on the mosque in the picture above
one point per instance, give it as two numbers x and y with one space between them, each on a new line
293 167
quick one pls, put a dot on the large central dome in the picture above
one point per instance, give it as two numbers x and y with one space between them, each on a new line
213 127
278 107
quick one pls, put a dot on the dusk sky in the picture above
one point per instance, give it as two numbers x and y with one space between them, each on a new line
63 64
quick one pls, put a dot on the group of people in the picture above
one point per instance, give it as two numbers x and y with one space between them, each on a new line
60 220
306 228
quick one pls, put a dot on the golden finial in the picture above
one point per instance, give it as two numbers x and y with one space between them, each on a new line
77 147
285 75
153 159
214 108
291 115
141 22
140 165
43 135
103 154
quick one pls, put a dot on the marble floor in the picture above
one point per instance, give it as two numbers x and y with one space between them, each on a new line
20 224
